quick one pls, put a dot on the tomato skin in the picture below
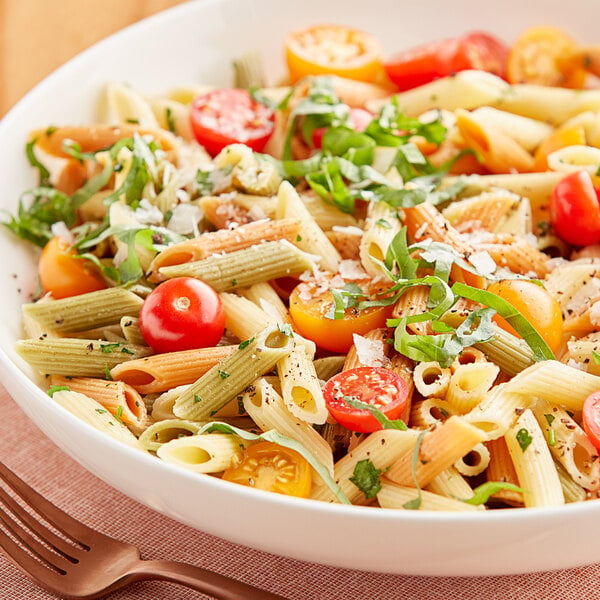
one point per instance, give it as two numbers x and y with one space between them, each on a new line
575 209
273 468
63 275
591 418
230 116
381 387
536 304
333 50
423 64
540 56
308 307
182 313
359 120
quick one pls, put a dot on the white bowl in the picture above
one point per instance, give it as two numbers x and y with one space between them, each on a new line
195 42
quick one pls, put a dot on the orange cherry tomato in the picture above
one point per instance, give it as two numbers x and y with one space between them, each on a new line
539 56
333 50
273 468
572 135
591 418
63 275
309 305
536 304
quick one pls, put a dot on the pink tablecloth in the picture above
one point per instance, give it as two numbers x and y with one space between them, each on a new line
29 453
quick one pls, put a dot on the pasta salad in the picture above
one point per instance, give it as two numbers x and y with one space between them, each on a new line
374 283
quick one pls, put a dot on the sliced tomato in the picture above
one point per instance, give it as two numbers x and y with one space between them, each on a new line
359 120
423 64
229 116
63 274
273 468
591 418
540 56
575 209
377 386
182 313
333 50
311 307
536 304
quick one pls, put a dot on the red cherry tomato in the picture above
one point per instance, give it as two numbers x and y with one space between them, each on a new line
575 209
380 387
423 64
359 120
230 116
591 418
182 313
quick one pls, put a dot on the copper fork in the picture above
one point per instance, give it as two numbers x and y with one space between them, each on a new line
69 558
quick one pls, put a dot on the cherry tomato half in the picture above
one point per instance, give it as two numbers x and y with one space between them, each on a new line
182 313
591 418
539 56
309 307
575 209
273 468
333 50
63 275
536 304
229 116
380 387
422 64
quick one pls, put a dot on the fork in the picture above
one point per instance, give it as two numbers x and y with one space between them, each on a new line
80 562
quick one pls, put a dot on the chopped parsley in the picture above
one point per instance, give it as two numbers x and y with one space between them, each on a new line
57 388
524 438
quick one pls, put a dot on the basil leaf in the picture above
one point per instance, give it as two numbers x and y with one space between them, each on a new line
381 418
366 478
415 504
483 492
44 174
541 350
38 210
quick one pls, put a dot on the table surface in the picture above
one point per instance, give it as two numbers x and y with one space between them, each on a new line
64 26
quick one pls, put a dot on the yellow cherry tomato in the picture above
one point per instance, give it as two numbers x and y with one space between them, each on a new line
63 275
333 50
273 468
536 304
539 56
309 307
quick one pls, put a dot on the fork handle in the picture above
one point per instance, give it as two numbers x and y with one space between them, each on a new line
213 584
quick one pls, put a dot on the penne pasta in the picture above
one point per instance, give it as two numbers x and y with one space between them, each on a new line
242 268
224 381
162 372
94 414
533 462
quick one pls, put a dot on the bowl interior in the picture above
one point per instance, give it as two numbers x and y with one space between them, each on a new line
196 43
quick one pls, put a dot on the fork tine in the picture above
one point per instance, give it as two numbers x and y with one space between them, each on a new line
60 545
43 575
65 523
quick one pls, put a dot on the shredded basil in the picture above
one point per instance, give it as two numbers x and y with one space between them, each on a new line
366 478
483 492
